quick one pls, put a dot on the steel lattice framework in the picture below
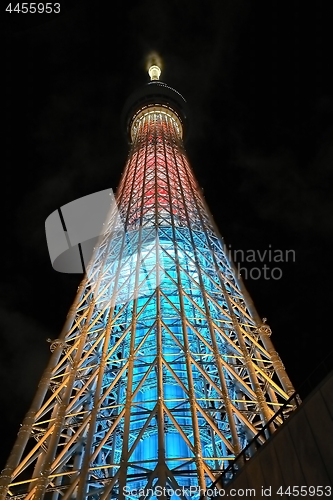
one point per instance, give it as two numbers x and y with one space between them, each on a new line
163 371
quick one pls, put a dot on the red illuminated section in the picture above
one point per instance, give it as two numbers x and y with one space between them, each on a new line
157 186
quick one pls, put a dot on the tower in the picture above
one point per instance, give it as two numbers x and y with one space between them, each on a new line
163 371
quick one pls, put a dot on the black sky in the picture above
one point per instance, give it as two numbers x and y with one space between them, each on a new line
257 79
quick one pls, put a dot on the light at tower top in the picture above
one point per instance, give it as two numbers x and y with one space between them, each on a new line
154 72
152 97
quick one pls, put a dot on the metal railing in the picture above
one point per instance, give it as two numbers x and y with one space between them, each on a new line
312 381
257 442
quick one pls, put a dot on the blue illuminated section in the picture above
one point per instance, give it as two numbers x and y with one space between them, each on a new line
163 286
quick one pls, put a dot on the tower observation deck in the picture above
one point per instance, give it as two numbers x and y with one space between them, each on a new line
163 371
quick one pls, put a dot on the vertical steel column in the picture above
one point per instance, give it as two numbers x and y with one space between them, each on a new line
159 347
192 398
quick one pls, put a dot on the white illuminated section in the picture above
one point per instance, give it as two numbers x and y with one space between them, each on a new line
154 72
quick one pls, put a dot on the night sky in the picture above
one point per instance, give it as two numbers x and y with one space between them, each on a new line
256 76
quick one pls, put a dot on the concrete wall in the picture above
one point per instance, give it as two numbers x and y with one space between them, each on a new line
299 454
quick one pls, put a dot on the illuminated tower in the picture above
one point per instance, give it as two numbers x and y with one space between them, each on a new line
163 371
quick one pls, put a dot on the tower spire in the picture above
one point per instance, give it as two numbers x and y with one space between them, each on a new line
162 373
154 65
